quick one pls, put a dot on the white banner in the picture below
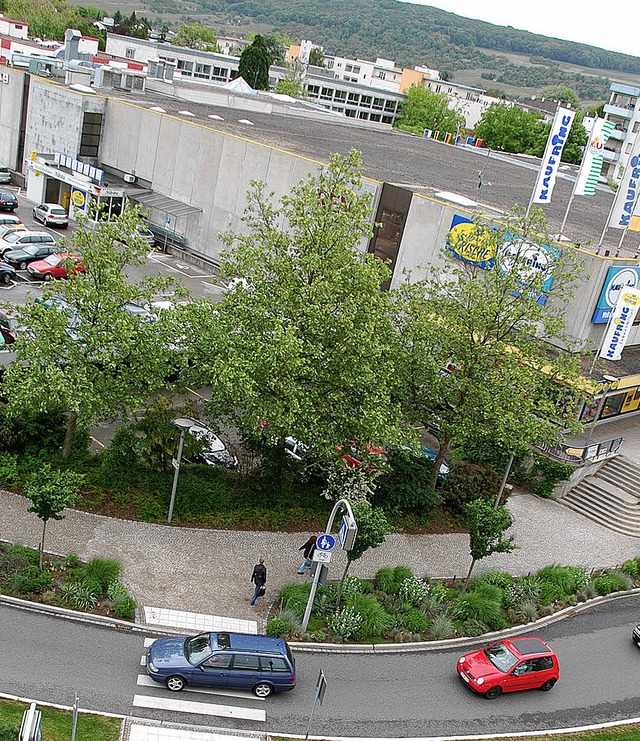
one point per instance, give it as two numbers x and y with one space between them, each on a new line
552 154
620 323
591 166
627 193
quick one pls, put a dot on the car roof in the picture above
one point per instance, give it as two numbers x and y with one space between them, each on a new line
245 642
530 646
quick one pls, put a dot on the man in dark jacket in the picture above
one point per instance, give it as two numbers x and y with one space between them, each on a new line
259 578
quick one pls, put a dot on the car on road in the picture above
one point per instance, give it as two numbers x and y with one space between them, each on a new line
9 220
236 661
51 214
212 451
510 665
19 238
5 174
19 259
8 201
55 266
7 273
636 635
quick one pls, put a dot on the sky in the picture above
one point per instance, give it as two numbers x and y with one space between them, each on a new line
584 22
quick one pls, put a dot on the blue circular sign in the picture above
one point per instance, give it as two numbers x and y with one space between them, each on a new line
325 542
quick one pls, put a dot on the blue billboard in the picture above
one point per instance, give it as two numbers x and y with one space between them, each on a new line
624 276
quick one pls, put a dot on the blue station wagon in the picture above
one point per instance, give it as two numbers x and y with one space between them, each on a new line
233 660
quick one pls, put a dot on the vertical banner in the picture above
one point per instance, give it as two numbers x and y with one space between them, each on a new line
552 154
619 326
591 166
627 193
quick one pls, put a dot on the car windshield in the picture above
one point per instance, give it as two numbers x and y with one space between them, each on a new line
30 249
198 648
500 656
13 236
53 260
58 212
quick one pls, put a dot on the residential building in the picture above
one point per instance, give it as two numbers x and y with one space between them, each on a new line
623 109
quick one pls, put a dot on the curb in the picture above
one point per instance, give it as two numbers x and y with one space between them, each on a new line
305 647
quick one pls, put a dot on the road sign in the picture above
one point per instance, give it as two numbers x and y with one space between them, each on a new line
325 542
347 533
322 556
321 686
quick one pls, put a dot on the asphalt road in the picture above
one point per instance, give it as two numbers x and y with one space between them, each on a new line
395 695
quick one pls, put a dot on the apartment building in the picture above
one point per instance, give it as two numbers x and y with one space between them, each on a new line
623 109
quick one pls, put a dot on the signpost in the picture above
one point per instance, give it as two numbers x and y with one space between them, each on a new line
321 686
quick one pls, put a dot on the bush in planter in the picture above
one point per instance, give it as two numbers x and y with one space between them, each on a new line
101 570
125 610
474 628
441 627
475 606
404 488
469 481
566 579
385 581
375 620
631 568
401 572
498 578
30 581
294 597
612 581
344 623
414 621
413 590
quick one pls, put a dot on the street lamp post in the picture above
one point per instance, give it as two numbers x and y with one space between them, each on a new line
183 425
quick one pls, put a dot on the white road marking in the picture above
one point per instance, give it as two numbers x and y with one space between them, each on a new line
145 680
198 708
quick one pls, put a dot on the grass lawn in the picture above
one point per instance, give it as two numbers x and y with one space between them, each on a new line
56 724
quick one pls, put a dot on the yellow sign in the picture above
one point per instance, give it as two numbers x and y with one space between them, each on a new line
33 155
79 198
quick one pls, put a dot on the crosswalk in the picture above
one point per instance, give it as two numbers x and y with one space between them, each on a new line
203 701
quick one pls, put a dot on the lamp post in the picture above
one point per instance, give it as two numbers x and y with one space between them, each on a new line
183 425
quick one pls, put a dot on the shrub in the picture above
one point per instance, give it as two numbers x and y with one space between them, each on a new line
524 589
30 581
9 473
469 481
375 621
413 590
10 564
438 592
351 586
474 606
277 628
344 623
125 610
81 596
9 732
72 561
294 597
498 578
612 581
385 581
405 487
489 592
441 627
103 571
548 474
630 568
474 628
116 592
31 555
526 612
400 573
414 621
293 622
551 592
566 579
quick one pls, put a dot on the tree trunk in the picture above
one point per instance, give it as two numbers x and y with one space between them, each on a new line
44 527
445 443
344 576
466 581
72 423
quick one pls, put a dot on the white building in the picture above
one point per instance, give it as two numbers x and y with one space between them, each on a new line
13 29
623 109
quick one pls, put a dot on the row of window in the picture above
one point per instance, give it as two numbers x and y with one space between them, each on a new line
354 99
248 662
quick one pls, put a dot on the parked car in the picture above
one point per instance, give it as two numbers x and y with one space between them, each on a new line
294 448
213 452
236 661
143 233
7 273
636 635
55 266
5 174
51 214
19 238
29 253
431 454
9 220
7 228
510 665
8 328
352 455
8 201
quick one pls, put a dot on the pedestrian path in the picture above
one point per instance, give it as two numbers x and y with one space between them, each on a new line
196 622
139 732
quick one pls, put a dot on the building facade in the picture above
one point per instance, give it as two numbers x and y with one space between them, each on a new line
623 109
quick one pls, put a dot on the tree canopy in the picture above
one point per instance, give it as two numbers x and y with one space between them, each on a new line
426 109
254 64
196 36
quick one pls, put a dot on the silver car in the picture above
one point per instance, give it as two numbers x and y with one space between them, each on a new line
51 214
5 174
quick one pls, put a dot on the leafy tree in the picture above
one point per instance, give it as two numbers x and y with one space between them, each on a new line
373 529
562 94
426 109
307 331
196 36
487 527
293 84
83 352
91 12
50 491
511 129
472 340
254 64
316 57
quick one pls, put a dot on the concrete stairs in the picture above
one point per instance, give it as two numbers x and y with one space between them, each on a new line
610 497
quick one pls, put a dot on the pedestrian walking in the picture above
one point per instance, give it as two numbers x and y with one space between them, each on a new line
308 549
259 578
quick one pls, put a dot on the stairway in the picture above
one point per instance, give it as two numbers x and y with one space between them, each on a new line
610 497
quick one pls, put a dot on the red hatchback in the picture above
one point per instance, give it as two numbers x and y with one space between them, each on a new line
55 266
510 665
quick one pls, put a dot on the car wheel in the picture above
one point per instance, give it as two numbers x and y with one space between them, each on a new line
5 278
23 265
175 684
492 693
47 277
548 685
263 689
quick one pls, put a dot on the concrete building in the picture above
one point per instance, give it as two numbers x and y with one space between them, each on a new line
623 109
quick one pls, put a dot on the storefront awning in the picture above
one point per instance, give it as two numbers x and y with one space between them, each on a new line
169 206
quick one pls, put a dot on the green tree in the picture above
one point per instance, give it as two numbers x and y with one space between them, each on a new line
472 339
84 353
50 491
426 109
316 57
293 83
254 64
373 529
487 526
91 12
562 94
307 331
510 129
196 36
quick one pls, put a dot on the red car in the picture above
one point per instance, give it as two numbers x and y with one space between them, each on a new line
510 665
55 266
352 456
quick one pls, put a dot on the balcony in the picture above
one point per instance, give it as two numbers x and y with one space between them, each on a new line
622 112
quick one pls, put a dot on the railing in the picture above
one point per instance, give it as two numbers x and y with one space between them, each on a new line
578 455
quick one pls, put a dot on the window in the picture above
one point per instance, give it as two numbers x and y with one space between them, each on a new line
247 663
218 661
203 71
90 137
378 103
348 68
391 105
273 664
220 73
365 101
354 98
130 53
185 67
356 69
340 95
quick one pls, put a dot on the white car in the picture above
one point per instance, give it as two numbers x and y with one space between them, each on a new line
51 214
17 239
5 174
213 451
294 448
